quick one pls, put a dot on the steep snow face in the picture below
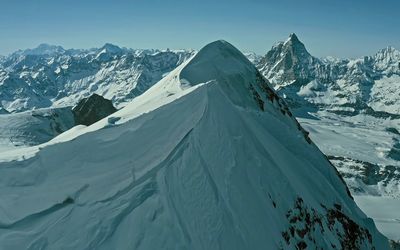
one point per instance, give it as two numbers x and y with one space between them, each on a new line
51 76
208 158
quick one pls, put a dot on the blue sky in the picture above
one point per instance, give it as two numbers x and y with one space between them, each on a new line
341 28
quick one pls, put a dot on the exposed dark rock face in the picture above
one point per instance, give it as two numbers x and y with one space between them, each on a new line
305 221
292 58
3 111
395 245
92 109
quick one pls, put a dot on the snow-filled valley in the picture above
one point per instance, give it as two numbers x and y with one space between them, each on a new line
209 157
363 153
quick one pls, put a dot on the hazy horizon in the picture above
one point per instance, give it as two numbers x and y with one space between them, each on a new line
344 29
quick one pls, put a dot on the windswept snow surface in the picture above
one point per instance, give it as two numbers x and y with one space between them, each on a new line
208 158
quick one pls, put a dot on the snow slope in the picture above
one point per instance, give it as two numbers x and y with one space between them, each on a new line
208 158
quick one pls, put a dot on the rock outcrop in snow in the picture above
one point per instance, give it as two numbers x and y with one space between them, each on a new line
91 109
208 158
3 111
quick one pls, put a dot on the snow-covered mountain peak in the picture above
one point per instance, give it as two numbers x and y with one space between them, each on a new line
221 63
43 49
296 47
292 38
218 61
111 48
387 54
108 51
388 51
387 60
290 57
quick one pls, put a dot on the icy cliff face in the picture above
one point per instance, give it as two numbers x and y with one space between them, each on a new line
208 158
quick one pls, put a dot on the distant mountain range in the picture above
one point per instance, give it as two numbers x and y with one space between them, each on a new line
347 86
51 76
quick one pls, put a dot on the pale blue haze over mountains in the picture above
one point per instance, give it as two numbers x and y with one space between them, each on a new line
337 28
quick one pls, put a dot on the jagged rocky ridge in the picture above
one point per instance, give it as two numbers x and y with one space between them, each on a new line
208 158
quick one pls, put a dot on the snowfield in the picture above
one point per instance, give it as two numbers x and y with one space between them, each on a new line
385 211
208 158
360 147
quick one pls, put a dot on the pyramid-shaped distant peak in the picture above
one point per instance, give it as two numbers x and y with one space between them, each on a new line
296 45
293 37
111 48
290 57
